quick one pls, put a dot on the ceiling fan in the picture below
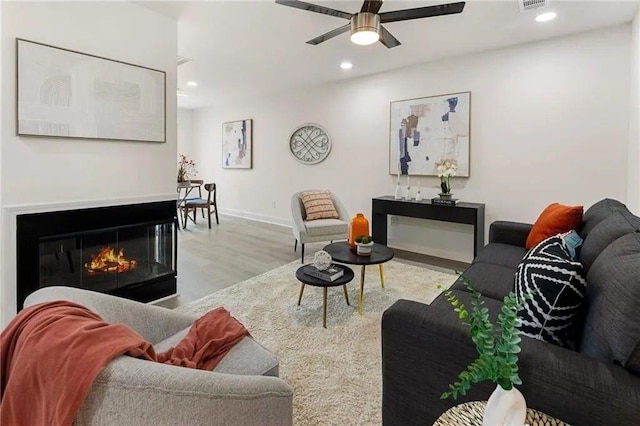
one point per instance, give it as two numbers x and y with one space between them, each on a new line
365 25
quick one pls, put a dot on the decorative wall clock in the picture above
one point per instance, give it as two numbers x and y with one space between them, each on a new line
310 143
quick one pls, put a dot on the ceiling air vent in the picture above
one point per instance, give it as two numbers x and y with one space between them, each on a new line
527 5
182 60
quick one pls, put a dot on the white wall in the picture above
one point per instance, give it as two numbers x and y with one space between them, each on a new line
54 174
633 197
549 123
186 144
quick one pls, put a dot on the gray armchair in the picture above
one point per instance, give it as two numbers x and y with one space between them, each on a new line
319 230
243 389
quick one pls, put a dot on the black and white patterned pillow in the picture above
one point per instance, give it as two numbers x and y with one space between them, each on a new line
557 285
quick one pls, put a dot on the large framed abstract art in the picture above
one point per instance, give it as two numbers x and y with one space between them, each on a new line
426 132
67 94
237 144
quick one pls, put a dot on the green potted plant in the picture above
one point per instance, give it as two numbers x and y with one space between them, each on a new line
364 243
497 361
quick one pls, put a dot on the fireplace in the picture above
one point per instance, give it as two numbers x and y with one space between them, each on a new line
128 251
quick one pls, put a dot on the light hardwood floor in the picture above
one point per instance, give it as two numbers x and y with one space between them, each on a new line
233 251
238 249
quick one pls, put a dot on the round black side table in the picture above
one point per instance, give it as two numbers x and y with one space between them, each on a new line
317 282
343 253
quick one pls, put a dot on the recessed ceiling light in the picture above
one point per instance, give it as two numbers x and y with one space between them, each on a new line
346 65
192 83
546 17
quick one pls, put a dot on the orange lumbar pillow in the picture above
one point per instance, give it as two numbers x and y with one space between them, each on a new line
555 219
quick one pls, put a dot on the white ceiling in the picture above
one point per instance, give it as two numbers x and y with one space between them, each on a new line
243 49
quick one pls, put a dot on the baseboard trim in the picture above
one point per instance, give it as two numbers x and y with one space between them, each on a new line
441 262
273 220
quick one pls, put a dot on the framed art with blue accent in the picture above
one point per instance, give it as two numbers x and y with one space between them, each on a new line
427 132
237 144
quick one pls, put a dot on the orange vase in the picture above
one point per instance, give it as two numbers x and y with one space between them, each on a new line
359 226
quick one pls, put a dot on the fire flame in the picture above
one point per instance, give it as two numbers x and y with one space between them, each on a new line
108 261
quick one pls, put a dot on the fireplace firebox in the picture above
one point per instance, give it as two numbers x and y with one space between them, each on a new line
128 251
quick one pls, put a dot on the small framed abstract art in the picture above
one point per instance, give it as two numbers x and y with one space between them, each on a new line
237 144
427 132
62 93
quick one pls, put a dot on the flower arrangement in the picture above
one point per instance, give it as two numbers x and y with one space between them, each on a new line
446 170
497 350
186 168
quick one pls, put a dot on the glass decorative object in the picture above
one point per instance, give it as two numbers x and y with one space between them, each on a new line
418 193
407 192
398 194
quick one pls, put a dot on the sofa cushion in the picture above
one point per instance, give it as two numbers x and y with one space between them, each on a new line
556 286
247 357
604 233
491 280
554 219
612 329
318 205
501 254
326 227
597 213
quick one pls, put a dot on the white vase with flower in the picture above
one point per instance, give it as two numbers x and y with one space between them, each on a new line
446 170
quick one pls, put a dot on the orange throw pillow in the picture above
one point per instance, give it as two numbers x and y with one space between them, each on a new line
556 218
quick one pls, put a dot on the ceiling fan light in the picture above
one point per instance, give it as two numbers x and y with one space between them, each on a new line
365 28
365 37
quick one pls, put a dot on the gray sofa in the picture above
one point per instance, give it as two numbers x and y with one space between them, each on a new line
424 347
243 389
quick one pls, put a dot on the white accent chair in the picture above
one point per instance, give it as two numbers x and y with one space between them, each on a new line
318 230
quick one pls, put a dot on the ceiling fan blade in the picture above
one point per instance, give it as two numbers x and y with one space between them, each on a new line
371 6
330 34
387 38
315 8
422 12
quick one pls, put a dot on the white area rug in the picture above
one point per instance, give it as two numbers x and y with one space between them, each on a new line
335 372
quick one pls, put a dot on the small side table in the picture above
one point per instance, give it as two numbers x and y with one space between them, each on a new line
317 282
470 414
343 253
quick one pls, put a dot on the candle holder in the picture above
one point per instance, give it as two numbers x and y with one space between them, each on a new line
407 192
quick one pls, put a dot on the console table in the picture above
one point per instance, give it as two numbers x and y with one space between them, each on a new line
467 213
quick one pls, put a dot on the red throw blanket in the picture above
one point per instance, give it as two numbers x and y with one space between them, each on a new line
52 353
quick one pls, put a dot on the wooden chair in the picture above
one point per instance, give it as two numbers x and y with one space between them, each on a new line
199 197
200 203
